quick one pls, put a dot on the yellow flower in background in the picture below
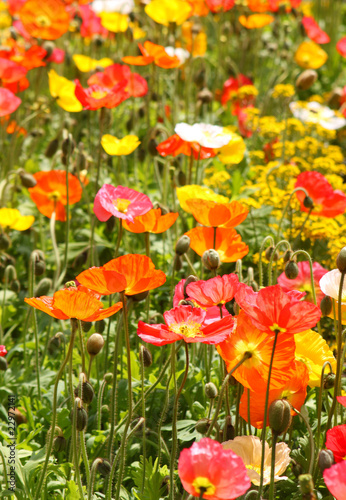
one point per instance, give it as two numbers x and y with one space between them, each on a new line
185 193
63 90
196 44
234 151
313 350
309 55
86 64
283 90
137 31
5 18
255 21
11 218
168 11
114 21
117 147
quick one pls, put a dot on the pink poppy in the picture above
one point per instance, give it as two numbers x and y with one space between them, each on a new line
341 46
303 283
8 102
136 85
186 323
314 32
122 202
341 400
96 97
335 479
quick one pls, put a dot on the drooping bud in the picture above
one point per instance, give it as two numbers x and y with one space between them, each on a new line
43 287
202 426
152 147
145 356
329 381
181 178
81 418
54 344
139 297
108 377
40 265
59 443
189 279
52 148
269 252
210 390
5 241
87 392
68 144
211 260
182 245
94 344
15 286
297 469
306 79
287 255
308 202
103 467
325 459
3 364
86 326
100 326
326 305
291 270
341 260
27 180
177 264
280 416
228 430
306 485
205 96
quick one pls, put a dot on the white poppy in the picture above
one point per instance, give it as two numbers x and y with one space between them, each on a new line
207 136
181 54
121 6
330 284
314 112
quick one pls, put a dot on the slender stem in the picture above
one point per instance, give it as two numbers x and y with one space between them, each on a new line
311 439
260 265
34 322
162 417
120 234
55 249
303 225
272 468
95 463
319 404
77 402
81 340
272 258
85 457
67 234
144 426
287 205
99 404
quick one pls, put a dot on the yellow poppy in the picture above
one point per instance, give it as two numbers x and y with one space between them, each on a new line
168 11
86 64
185 193
117 147
12 218
114 21
234 151
256 21
196 44
309 55
63 90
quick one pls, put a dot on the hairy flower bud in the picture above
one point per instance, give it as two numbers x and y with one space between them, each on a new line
210 390
27 180
43 287
189 279
3 364
100 326
291 270
87 392
203 425
108 377
94 344
306 79
280 416
269 252
308 202
59 443
211 260
103 467
145 356
325 460
40 267
52 148
139 297
86 326
326 305
341 260
5 241
182 245
306 484
287 255
81 418
228 430
329 381
54 344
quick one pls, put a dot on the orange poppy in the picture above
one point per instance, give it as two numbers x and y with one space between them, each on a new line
151 222
294 391
199 8
47 20
50 194
210 213
255 21
228 242
130 273
15 51
74 302
254 371
153 53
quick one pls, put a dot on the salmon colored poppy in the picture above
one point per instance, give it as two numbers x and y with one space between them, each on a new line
8 102
341 46
136 85
122 202
209 213
48 20
334 477
151 222
341 400
294 391
336 442
313 31
253 373
74 302
309 55
11 218
11 72
130 273
220 5
273 310
228 242
208 471
303 281
256 21
152 53
168 11
214 292
50 194
91 23
96 97
186 323
191 191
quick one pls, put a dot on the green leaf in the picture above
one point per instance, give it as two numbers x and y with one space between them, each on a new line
72 491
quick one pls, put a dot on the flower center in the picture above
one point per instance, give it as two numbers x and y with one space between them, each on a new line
189 329
256 468
203 483
276 328
99 94
121 205
54 195
243 347
43 21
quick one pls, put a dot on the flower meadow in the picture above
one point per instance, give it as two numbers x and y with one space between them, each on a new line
172 249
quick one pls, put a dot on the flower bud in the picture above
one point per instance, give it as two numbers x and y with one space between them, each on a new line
189 279
86 326
325 460
177 262
52 148
308 202
19 417
228 430
297 469
287 255
108 377
5 241
329 381
48 46
210 390
183 244
205 96
152 147
27 180
54 344
103 467
15 286
211 260
139 297
3 364
291 270
280 416
145 356
341 260
100 326
269 252
59 443
94 344
326 305
81 419
40 267
68 145
202 426
306 79
181 178
43 287
87 392
185 302
306 484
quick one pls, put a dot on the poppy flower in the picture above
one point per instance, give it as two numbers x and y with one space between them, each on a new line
271 309
309 55
341 46
199 8
91 22
228 242
28 58
118 147
334 477
63 90
215 291
209 213
303 281
3 351
151 222
11 72
50 193
195 43
294 391
136 85
152 53
234 151
255 21
313 351
314 112
168 11
122 202
96 97
249 449
330 284
114 21
336 441
8 102
182 54
11 218
175 146
253 373
192 191
122 6
313 31
130 273
220 5
12 126
48 20
327 201
232 86
341 400
86 64
74 302
209 470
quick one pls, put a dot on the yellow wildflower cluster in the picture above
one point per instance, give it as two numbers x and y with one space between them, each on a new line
283 90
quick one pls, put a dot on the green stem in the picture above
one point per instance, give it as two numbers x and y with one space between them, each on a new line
55 250
85 457
272 468
311 439
34 322
287 205
272 259
260 266
144 426
302 226
120 233
82 349
95 463
99 404
76 460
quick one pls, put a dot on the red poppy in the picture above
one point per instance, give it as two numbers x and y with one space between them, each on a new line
50 194
231 87
253 373
271 309
175 145
153 53
327 202
3 351
136 85
208 471
47 20
302 282
10 71
57 56
336 441
341 46
220 5
8 102
215 291
130 273
151 222
74 302
294 391
341 400
29 59
211 213
335 479
96 97
228 242
313 31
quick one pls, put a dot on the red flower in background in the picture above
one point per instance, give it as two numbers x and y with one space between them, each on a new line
12 76
336 441
220 5
327 202
175 146
230 90
136 85
341 46
302 282
335 479
91 22
3 351
314 32
8 102
96 96
17 52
